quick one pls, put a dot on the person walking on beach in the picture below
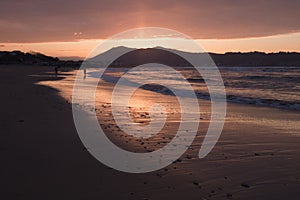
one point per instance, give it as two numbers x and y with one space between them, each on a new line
56 71
84 72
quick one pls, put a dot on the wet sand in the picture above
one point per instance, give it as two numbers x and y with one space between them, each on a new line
42 157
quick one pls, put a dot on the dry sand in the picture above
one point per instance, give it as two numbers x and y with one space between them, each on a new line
42 157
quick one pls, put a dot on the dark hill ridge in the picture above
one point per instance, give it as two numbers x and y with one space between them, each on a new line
257 59
15 57
170 58
159 55
151 55
33 58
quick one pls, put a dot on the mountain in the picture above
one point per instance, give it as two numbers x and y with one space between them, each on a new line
16 57
34 58
134 57
257 59
170 57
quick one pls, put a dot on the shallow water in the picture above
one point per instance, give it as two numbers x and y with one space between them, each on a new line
267 86
270 86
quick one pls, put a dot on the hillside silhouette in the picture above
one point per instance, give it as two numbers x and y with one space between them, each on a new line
169 57
161 55
34 58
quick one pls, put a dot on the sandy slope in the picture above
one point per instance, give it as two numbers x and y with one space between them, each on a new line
42 157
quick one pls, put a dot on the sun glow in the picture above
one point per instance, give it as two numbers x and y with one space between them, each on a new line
81 48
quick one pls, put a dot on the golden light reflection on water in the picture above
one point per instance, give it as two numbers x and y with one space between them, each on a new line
283 121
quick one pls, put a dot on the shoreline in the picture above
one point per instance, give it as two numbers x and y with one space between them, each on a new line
247 99
43 156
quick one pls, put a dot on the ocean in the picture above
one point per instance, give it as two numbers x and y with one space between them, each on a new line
264 86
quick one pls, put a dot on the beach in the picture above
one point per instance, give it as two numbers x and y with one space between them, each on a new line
42 156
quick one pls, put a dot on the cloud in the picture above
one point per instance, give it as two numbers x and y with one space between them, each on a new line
45 21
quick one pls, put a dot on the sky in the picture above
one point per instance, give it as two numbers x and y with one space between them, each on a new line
74 28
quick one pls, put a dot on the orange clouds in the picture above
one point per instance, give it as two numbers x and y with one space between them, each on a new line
48 21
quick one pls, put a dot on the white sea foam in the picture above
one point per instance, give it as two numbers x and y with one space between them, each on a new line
265 86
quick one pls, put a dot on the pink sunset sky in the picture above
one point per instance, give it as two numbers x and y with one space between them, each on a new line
73 28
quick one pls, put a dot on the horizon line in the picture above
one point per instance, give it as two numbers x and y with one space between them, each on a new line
82 48
83 58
